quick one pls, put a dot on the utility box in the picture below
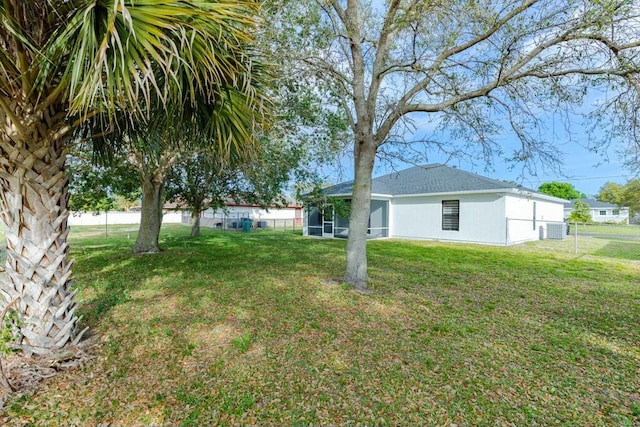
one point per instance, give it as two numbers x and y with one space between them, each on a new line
557 231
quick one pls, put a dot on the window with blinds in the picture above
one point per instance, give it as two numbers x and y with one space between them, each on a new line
451 215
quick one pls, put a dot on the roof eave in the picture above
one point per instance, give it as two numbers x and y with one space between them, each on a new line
513 191
386 196
537 195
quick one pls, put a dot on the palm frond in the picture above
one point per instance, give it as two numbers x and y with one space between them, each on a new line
126 52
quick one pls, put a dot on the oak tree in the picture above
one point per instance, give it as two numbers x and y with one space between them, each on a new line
467 71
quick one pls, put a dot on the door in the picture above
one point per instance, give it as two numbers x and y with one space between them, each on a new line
327 221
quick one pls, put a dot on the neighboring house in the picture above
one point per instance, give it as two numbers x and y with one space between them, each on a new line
439 202
601 211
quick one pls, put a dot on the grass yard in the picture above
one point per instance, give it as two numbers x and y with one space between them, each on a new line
598 246
254 329
608 229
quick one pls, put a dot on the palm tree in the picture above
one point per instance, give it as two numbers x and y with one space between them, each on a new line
63 64
224 127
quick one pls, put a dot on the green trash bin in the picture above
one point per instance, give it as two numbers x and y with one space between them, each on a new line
246 225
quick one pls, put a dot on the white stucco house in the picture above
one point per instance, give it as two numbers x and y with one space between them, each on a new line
439 202
601 211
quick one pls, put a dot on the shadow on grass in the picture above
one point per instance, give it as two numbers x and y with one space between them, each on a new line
620 249
110 295
110 273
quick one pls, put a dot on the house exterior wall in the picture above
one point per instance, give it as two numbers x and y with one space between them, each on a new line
621 217
481 218
484 218
522 225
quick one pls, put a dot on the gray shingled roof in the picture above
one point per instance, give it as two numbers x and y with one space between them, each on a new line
426 179
593 203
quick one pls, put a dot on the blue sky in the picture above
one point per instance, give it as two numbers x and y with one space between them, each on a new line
587 171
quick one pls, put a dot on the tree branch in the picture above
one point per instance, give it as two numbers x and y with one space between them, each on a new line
401 105
463 47
382 51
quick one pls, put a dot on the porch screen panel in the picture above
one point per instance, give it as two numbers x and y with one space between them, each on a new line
451 215
314 221
379 219
341 226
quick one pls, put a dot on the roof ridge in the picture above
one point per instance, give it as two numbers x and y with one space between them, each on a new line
431 178
486 178
425 167
591 199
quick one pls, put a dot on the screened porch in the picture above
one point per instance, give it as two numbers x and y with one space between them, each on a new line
324 221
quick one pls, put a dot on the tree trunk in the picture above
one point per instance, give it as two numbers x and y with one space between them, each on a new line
195 221
33 199
356 274
151 215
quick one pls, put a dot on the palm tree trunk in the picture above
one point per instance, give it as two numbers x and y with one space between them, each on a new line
33 199
151 215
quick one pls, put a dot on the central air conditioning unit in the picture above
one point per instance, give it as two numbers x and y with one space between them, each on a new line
557 231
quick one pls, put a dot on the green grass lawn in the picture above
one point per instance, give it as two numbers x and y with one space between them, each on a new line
254 328
599 246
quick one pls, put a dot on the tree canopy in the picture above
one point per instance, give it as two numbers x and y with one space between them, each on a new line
581 212
94 186
563 190
204 180
627 195
612 193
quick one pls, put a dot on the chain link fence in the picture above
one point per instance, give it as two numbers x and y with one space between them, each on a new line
521 229
595 229
238 223
620 241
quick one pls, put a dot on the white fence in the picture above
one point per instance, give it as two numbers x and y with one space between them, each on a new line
116 218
